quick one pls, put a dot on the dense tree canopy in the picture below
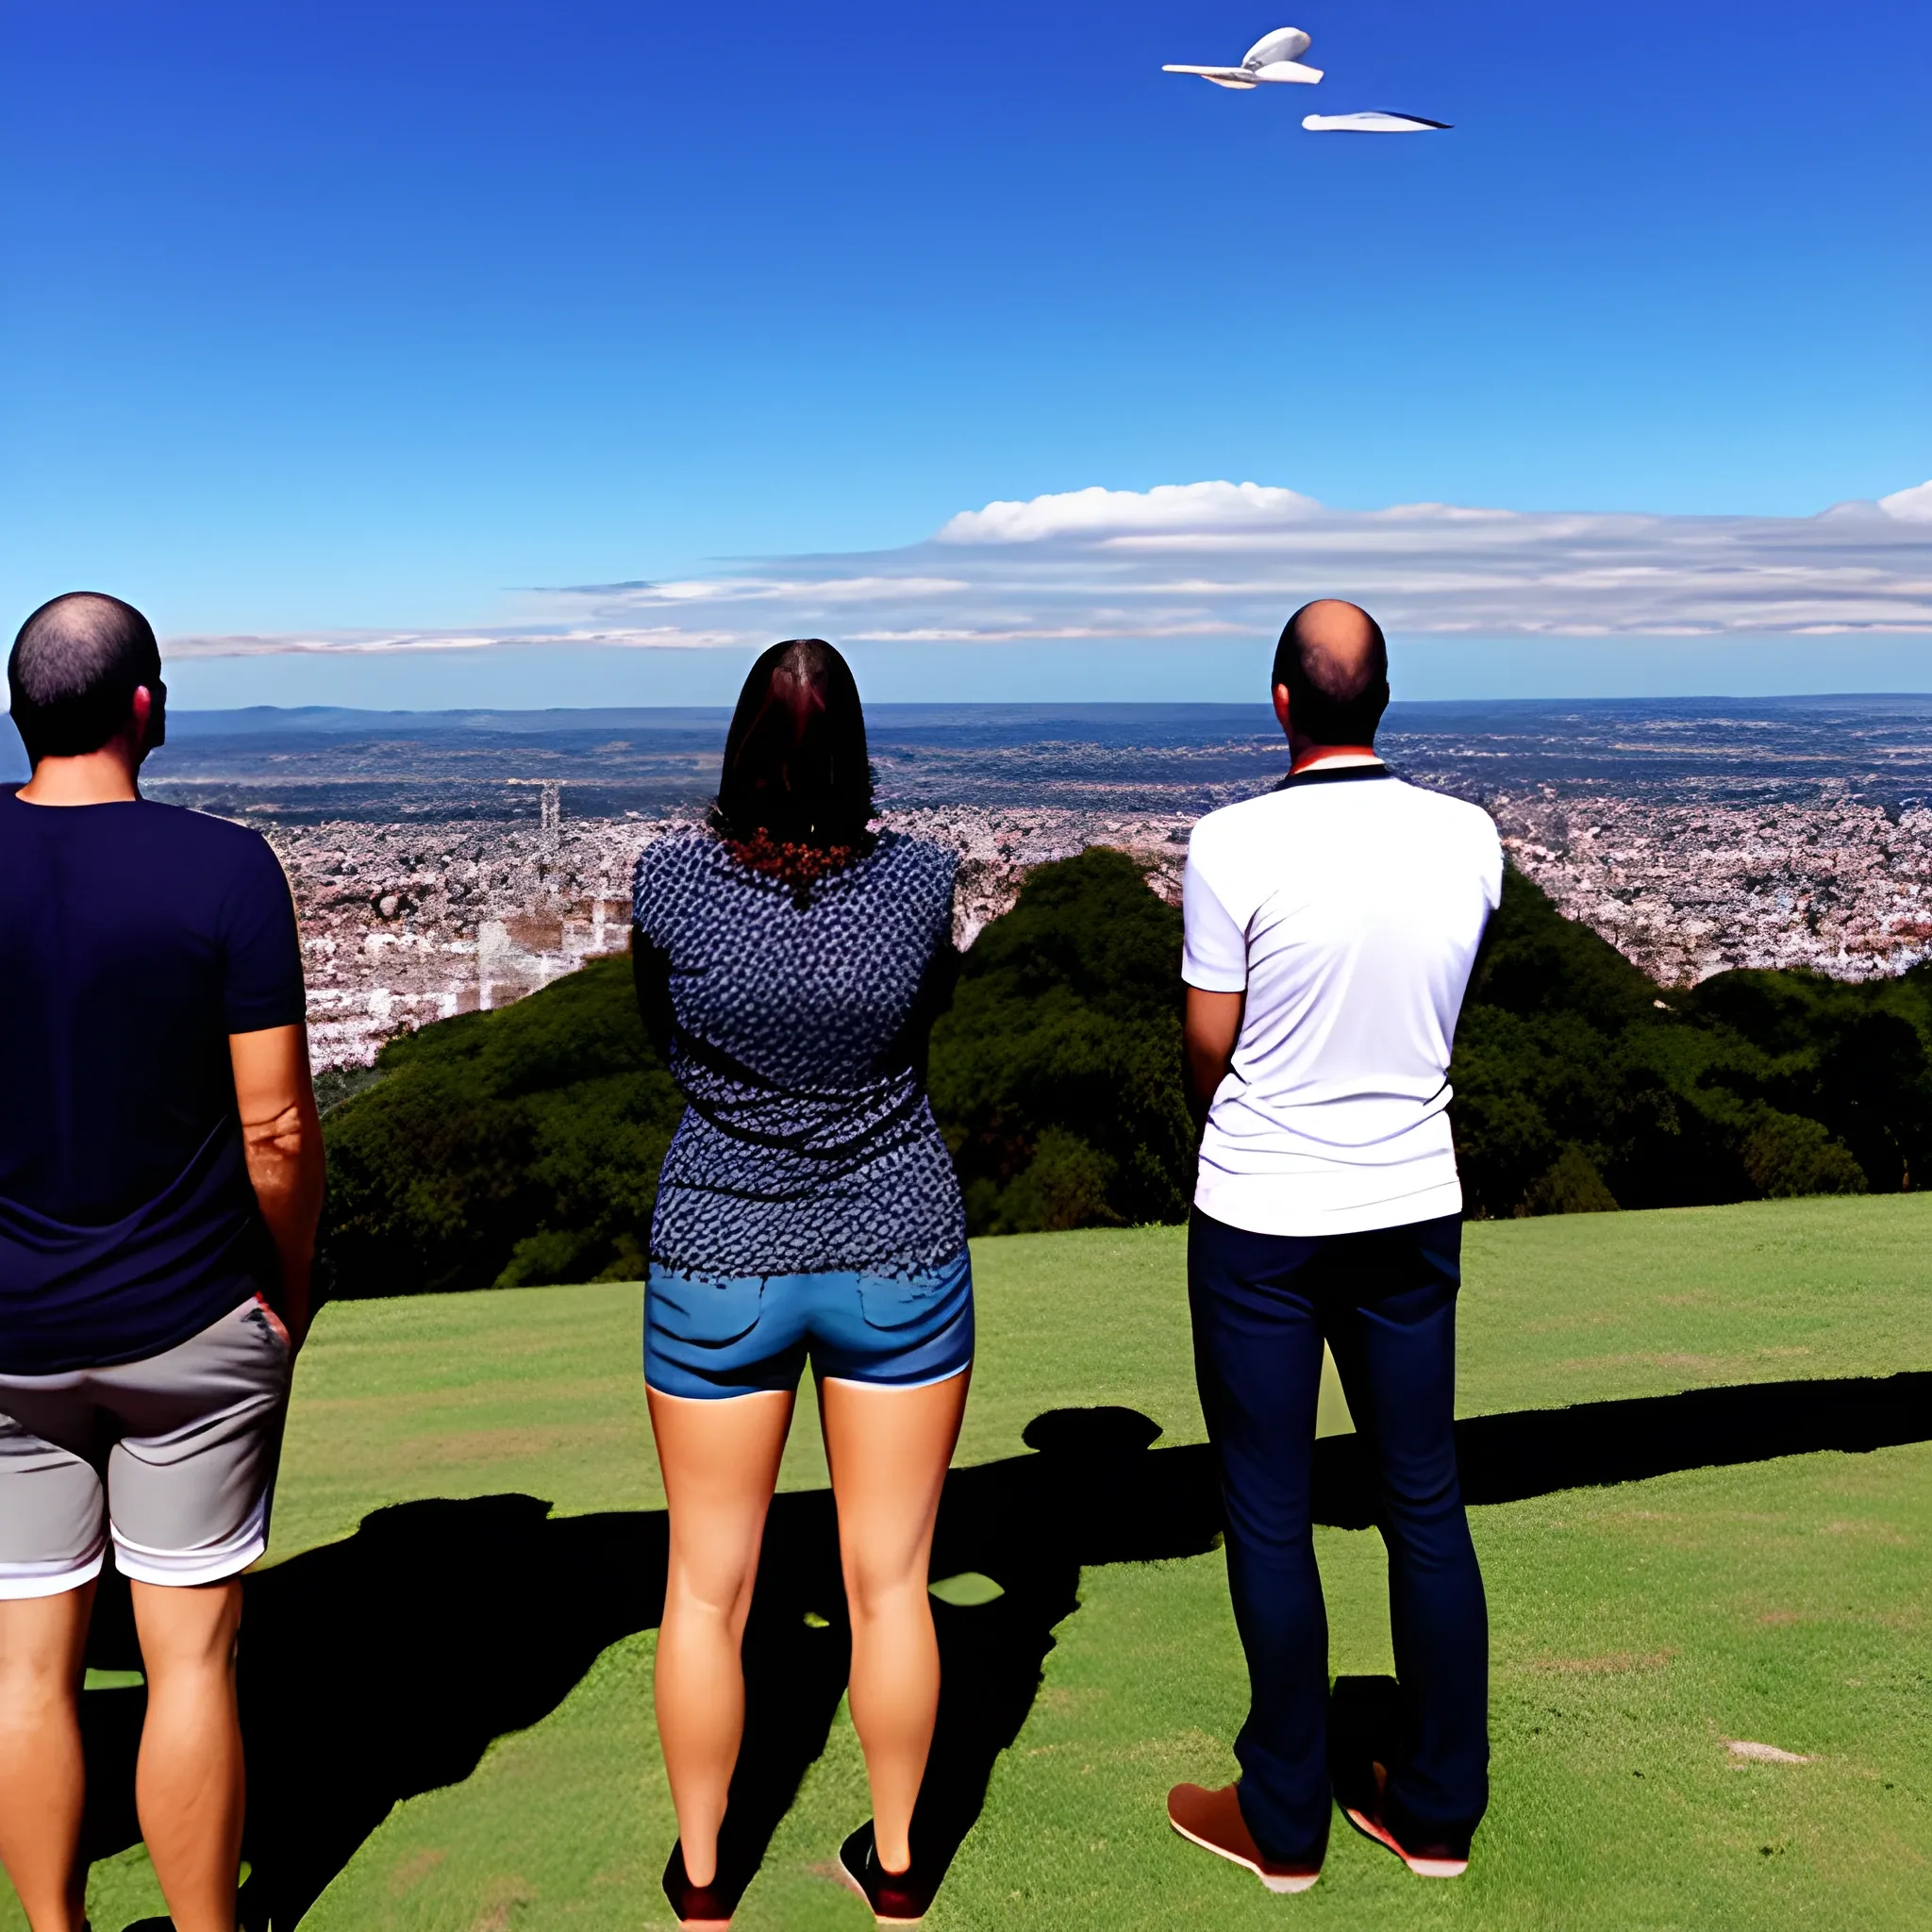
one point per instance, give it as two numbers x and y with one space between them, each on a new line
1580 1084
523 1146
500 1148
1057 1074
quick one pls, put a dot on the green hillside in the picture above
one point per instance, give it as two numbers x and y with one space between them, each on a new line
446 1684
1057 1074
1581 1084
521 1147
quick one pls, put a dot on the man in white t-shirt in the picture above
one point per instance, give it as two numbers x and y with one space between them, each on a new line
1332 926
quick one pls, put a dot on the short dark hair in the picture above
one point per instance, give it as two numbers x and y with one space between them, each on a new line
795 761
1336 675
74 671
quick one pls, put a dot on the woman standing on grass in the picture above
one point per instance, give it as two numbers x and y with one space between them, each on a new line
789 962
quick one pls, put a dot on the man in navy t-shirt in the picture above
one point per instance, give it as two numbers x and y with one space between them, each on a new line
160 1178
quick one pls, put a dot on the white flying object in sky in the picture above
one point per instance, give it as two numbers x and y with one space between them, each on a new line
1277 57
1271 58
1375 123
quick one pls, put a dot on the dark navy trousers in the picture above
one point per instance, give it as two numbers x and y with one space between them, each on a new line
1385 1302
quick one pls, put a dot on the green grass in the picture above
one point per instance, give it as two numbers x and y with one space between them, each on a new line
1636 1630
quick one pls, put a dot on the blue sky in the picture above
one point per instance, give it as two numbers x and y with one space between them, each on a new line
344 318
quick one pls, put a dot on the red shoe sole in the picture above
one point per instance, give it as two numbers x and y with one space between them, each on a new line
1422 1868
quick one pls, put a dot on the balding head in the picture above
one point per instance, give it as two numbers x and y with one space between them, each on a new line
1334 660
75 667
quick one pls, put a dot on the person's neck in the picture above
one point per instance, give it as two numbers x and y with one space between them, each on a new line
95 777
1313 758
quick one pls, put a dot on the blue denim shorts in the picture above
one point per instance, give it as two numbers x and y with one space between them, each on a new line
708 1337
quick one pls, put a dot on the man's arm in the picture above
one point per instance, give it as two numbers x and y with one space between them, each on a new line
1208 1033
1215 949
281 1134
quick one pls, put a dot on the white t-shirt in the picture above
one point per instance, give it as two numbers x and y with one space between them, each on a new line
1348 905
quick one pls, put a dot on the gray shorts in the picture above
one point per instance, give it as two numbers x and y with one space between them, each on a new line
174 1456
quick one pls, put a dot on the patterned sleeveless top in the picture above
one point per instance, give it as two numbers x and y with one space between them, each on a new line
808 1145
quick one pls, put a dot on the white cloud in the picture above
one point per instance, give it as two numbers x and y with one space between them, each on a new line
371 642
1912 506
1167 506
769 589
1214 559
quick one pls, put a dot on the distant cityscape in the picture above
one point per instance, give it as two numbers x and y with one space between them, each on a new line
443 862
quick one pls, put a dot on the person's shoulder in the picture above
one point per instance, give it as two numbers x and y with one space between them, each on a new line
1457 817
908 852
204 839
919 874
677 849
228 869
16 818
1231 827
676 838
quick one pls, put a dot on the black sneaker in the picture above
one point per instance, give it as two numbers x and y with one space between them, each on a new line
896 1898
701 1908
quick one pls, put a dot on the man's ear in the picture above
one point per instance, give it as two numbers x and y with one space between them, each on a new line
144 715
157 718
1281 705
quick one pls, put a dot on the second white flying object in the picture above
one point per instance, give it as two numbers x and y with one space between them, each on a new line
1375 121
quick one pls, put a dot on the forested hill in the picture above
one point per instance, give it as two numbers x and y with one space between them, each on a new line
1581 1084
523 1146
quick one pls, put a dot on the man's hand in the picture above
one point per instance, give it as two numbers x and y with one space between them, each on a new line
1209 1034
281 1134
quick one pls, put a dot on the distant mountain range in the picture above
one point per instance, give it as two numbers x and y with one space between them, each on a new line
302 765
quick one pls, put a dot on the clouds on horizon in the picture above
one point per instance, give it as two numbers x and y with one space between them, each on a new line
1211 559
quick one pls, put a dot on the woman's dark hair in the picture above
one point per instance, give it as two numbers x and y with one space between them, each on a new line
796 771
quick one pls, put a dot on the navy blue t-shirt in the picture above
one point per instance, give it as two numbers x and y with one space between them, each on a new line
134 939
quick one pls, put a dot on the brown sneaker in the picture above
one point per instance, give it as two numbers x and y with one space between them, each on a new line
1439 1858
1213 1821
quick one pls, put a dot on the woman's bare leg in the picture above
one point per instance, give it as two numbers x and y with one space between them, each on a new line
189 1786
42 1781
888 1449
720 1460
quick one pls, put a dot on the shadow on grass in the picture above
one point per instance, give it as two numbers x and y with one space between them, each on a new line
384 1665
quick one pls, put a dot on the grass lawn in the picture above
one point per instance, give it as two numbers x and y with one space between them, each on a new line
1637 1630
